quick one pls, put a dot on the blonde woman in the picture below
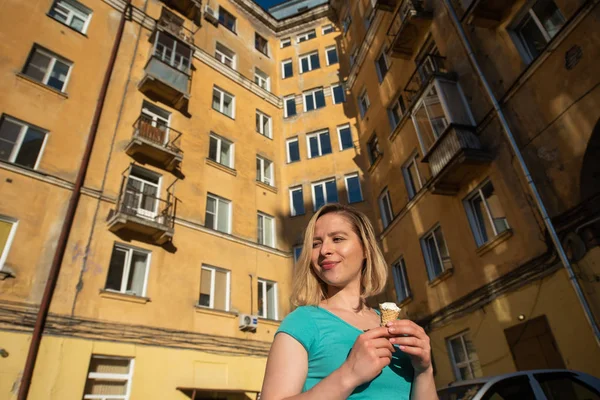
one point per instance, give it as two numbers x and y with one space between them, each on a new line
331 346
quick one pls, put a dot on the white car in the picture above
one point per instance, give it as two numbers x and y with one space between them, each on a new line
545 384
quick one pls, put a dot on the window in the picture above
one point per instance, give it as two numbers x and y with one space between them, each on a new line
539 25
48 68
382 65
353 188
266 230
463 357
109 378
346 23
141 197
264 171
267 299
128 271
303 37
226 56
325 29
435 252
261 44
565 385
331 55
173 52
353 56
289 103
221 150
374 150
287 69
158 121
318 143
401 280
296 201
412 178
8 228
324 192
218 214
227 20
297 253
21 143
313 99
287 42
345 137
215 286
363 103
337 94
486 214
396 111
517 387
385 208
71 13
263 124
223 102
262 79
309 62
293 150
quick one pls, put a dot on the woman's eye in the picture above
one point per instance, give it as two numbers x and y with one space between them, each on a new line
316 244
338 239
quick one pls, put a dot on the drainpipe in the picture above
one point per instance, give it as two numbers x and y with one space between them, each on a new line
538 200
40 321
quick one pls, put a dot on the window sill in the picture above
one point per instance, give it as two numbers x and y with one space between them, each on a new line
292 162
356 202
267 187
375 164
211 311
405 302
222 167
319 156
265 136
70 27
222 113
442 277
108 294
6 272
38 83
398 127
504 236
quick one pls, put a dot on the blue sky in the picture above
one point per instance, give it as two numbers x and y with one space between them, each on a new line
269 3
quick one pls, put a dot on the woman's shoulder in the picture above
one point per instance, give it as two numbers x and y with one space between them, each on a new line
302 313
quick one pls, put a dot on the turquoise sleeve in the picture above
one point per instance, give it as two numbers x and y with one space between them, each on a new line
301 326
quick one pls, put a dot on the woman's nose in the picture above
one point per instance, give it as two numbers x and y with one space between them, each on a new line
326 248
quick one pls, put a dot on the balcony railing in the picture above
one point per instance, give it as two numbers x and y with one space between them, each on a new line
190 8
171 23
488 13
431 66
408 25
386 5
156 141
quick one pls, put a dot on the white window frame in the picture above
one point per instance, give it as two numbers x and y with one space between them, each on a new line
221 56
287 42
261 78
398 102
218 201
471 215
264 313
283 64
9 239
339 129
312 93
304 36
222 94
287 149
262 172
353 175
323 183
75 9
127 268
293 211
308 57
364 98
266 218
53 59
400 276
380 74
285 101
318 135
334 99
329 48
261 128
169 52
220 141
327 29
469 361
387 206
23 132
99 376
213 271
140 174
426 255
412 190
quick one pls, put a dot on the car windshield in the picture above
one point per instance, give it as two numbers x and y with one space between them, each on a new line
463 392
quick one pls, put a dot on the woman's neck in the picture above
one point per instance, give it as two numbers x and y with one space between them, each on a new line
346 298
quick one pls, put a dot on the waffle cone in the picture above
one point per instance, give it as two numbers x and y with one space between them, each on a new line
388 315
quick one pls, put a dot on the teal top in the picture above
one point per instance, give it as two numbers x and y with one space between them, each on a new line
328 340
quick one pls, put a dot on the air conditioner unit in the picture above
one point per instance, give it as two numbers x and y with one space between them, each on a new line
211 14
248 322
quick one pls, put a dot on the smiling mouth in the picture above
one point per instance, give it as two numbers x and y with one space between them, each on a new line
328 266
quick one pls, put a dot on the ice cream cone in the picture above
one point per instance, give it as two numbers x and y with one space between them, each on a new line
389 312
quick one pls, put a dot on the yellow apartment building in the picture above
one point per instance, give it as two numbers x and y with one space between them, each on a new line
160 159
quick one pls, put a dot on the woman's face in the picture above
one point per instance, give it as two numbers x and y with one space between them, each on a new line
337 252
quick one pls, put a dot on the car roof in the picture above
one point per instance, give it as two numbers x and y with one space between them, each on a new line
495 378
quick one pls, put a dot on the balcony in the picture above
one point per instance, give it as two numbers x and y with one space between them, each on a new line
156 142
190 8
141 212
454 157
408 25
489 13
385 5
431 66
174 25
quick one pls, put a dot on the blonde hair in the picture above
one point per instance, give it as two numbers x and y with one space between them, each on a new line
308 289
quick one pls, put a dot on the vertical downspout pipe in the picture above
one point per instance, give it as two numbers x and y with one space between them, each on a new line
40 321
538 200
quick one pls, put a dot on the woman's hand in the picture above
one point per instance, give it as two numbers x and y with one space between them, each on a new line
413 341
371 352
